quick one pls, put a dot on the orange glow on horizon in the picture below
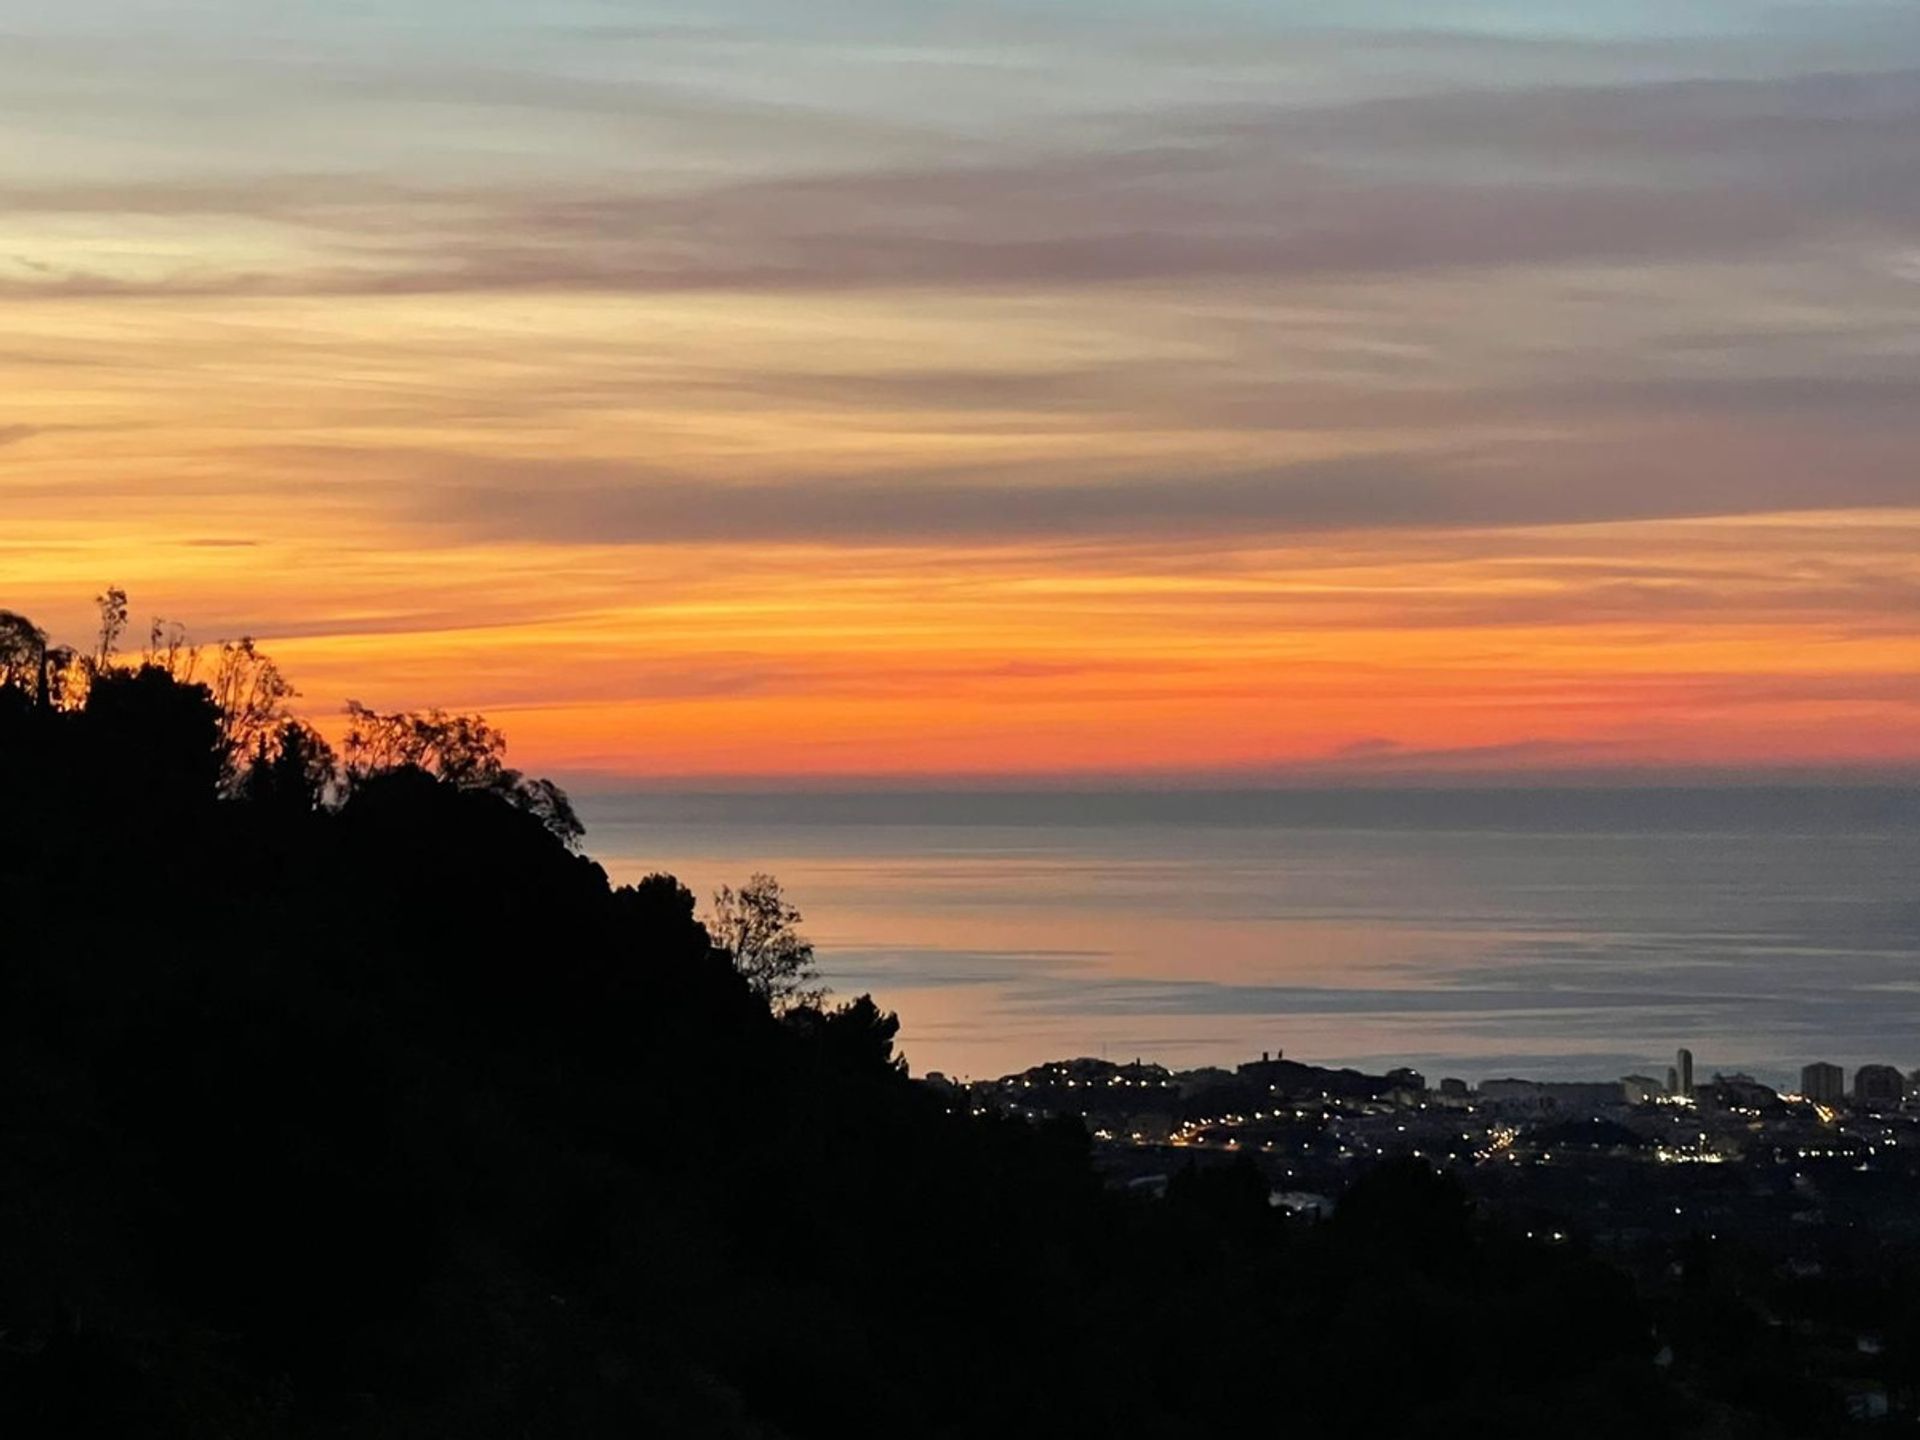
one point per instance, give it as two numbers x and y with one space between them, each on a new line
699 537
1343 656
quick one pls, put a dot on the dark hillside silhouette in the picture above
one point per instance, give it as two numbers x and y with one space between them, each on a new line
351 1099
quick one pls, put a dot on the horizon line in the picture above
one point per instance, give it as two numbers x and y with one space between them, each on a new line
613 785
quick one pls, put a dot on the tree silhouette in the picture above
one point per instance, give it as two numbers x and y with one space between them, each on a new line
546 802
660 907
64 677
169 649
113 624
23 646
265 754
50 677
465 751
759 928
292 769
858 1033
152 737
252 695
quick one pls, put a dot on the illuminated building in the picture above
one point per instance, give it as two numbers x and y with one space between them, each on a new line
1823 1083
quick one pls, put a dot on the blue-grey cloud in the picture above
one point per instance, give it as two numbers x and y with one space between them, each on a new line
1638 174
1571 483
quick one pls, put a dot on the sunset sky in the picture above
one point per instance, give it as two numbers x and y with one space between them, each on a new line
883 390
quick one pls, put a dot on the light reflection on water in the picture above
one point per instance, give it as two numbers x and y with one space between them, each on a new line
1470 934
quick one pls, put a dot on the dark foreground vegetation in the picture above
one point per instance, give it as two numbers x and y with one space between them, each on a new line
340 1095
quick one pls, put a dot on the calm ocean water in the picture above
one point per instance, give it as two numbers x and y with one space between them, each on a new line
1472 933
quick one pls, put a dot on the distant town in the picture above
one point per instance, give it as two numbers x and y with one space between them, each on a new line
1311 1124
1793 1194
1309 1117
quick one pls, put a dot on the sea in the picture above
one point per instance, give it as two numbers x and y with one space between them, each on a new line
1548 933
